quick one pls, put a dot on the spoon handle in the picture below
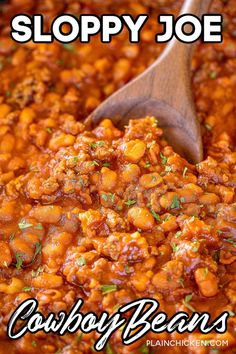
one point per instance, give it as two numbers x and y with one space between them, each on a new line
171 71
196 7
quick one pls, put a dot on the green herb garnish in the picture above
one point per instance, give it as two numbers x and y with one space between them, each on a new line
232 241
38 227
175 203
178 234
97 144
11 237
69 47
185 171
94 163
38 249
108 349
147 165
208 126
186 302
213 75
163 159
155 215
143 349
108 196
78 338
168 169
19 260
206 271
106 164
81 261
35 273
175 247
60 62
27 289
130 202
24 225
106 289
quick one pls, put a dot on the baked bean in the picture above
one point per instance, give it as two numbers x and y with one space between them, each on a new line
130 172
108 179
50 214
134 150
27 116
206 281
4 110
141 218
47 281
6 258
150 180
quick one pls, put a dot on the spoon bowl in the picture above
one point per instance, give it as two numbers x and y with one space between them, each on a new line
163 91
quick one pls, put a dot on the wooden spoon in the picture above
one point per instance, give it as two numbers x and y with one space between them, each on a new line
164 91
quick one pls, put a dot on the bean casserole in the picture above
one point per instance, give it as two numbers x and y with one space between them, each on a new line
111 216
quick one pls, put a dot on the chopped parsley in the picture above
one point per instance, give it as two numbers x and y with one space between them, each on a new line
38 227
34 344
175 203
155 215
192 219
168 169
127 269
11 237
27 289
69 47
106 289
178 234
60 62
19 260
97 144
196 246
109 196
130 202
208 126
232 241
143 349
213 75
35 273
181 282
38 249
186 302
108 349
23 224
33 168
185 171
106 164
168 218
94 163
78 338
147 165
49 130
175 247
163 159
206 271
81 261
